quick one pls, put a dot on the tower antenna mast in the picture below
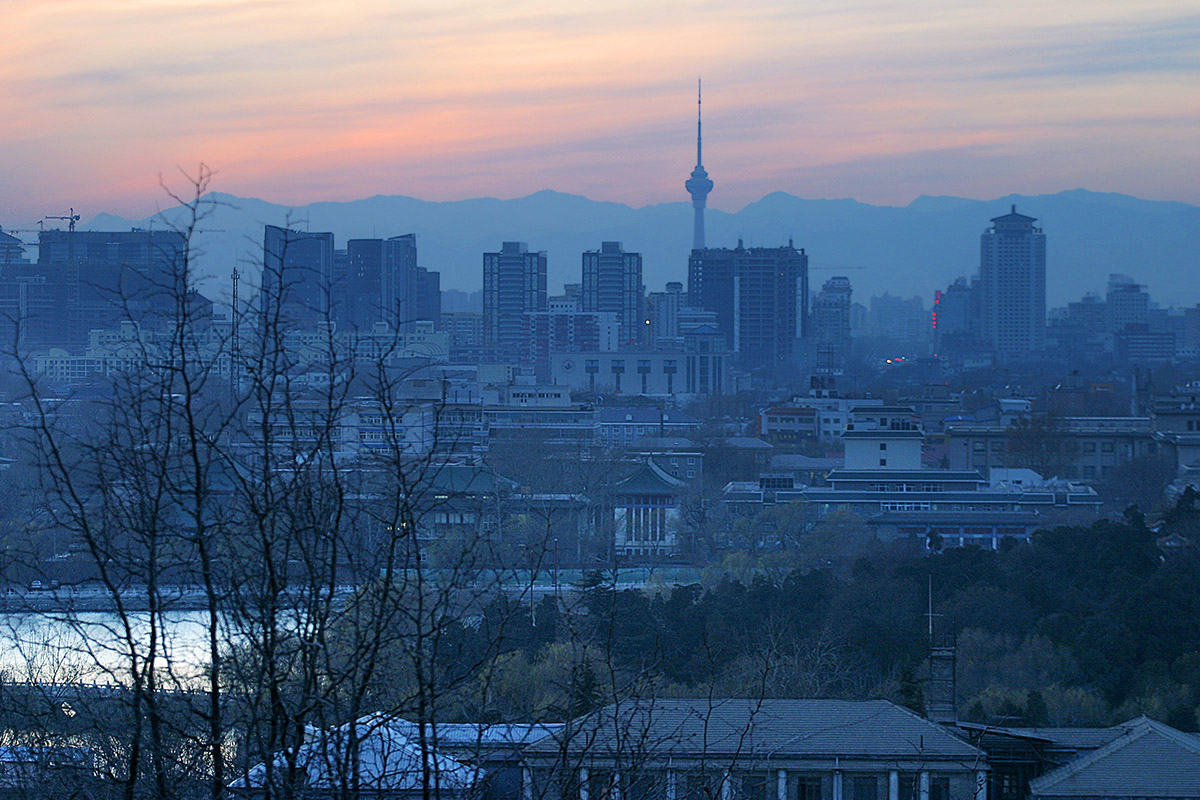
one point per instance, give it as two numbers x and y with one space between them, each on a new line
698 185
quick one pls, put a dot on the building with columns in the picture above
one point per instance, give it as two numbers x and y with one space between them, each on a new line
753 749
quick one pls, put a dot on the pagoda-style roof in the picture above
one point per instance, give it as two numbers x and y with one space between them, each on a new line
650 479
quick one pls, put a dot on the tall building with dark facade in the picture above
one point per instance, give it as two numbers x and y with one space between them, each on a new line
297 276
384 284
760 297
514 283
100 277
1012 278
612 283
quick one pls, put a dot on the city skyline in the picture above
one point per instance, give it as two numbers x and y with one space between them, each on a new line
877 101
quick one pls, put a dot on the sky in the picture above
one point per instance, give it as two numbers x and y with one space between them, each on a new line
298 101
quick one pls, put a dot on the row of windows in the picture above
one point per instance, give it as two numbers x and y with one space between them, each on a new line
647 785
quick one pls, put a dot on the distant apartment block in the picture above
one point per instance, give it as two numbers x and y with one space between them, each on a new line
514 283
612 283
831 325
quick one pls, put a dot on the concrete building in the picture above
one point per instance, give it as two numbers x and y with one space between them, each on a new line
884 481
663 314
787 426
514 283
384 284
1127 304
558 331
757 750
831 325
701 368
1078 448
759 295
612 283
1012 277
618 426
297 277
104 277
465 329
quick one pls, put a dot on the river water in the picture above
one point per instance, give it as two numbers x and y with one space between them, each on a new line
89 646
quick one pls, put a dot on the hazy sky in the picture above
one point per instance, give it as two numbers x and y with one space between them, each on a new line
297 100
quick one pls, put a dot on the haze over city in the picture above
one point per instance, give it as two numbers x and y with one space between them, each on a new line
449 400
295 102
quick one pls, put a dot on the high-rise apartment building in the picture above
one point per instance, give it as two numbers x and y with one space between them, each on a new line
612 283
1128 304
663 314
760 296
831 324
1012 278
514 283
297 276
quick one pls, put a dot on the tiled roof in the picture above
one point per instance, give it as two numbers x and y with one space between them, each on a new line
748 728
389 759
648 479
1149 759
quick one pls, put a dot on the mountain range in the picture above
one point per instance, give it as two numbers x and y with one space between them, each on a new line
913 249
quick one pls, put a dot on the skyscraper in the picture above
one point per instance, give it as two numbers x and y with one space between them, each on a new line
760 297
612 282
297 276
698 185
384 284
514 282
1012 277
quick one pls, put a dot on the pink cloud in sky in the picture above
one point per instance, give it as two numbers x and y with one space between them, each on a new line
300 101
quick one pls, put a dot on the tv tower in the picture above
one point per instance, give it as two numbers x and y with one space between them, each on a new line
698 185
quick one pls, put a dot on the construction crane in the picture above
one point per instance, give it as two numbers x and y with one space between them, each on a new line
831 267
71 217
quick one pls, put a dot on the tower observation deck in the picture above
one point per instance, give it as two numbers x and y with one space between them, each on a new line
698 185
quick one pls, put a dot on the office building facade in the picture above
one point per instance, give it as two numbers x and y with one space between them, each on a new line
297 277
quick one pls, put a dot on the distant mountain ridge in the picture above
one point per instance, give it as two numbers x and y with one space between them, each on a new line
906 250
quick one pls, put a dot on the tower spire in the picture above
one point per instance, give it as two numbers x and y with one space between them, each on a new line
698 185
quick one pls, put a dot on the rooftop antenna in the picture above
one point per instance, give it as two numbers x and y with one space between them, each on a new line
699 109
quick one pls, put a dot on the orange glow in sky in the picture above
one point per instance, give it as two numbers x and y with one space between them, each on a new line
879 100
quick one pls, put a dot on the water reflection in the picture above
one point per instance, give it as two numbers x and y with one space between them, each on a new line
96 646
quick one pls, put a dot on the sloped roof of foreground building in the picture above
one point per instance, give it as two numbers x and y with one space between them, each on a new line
750 728
1148 759
389 760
